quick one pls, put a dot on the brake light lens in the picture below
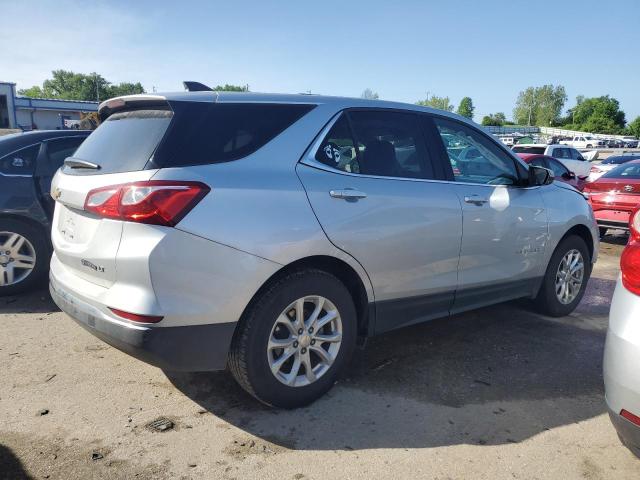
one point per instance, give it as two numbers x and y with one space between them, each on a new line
630 259
155 202
136 317
630 416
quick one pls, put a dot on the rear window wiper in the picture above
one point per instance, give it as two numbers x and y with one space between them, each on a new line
75 163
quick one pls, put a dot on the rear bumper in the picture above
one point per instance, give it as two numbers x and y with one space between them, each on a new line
187 348
627 431
613 224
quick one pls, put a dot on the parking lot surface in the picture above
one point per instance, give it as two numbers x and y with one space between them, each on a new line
496 393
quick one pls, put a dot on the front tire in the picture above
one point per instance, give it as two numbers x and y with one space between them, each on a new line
565 279
294 339
24 256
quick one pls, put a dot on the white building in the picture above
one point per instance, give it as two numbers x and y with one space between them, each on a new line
28 113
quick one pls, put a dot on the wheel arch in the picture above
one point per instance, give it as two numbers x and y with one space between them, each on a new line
583 232
341 270
29 221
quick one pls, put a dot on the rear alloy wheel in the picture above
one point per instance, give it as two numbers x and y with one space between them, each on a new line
24 256
566 278
305 341
294 339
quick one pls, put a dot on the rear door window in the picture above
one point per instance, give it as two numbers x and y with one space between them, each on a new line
390 144
338 148
382 143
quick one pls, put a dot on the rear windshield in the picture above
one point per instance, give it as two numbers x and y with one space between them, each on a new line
631 171
124 142
194 133
525 149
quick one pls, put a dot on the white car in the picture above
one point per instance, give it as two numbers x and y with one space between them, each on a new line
568 156
584 141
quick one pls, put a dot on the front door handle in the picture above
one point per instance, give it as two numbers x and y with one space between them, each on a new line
348 194
476 200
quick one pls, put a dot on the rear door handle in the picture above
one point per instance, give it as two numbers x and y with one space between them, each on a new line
476 200
347 194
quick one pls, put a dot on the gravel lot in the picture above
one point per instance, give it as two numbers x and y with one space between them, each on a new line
492 394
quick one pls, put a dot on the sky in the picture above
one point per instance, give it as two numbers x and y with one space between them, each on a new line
404 50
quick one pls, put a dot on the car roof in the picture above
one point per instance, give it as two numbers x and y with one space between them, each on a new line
15 141
296 98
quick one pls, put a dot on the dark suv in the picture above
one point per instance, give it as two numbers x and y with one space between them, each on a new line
28 162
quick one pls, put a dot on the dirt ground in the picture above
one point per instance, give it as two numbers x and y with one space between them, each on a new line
499 393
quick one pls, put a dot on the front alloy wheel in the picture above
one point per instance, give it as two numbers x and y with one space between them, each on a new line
17 258
569 277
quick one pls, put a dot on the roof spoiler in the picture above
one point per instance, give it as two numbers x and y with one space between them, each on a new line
112 105
196 87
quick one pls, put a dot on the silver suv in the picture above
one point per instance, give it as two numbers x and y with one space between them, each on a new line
267 233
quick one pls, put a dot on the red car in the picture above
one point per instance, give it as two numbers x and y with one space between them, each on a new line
560 172
615 195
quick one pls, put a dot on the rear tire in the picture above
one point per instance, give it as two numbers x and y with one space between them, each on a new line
15 275
272 317
553 300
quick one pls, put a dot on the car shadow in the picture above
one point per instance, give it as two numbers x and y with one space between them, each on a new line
497 375
10 465
37 301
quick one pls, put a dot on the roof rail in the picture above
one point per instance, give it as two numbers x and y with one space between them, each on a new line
196 87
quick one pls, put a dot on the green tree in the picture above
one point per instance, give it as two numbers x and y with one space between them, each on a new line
540 105
231 88
634 128
497 119
597 115
466 107
441 103
68 85
370 94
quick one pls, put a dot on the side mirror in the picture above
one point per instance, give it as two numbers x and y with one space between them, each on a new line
539 176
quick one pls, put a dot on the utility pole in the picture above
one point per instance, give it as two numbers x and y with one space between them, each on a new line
95 77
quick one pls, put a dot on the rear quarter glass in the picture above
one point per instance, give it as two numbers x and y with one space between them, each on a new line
190 133
204 133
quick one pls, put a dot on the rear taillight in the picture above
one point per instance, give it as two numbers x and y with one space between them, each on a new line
136 317
630 416
155 202
595 170
630 259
